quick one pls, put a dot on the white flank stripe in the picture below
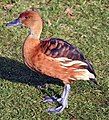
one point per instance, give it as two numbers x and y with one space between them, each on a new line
85 76
70 62
63 59
91 75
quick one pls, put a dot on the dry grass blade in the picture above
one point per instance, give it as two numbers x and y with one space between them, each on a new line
70 13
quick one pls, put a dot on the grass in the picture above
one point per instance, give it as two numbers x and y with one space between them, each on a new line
20 96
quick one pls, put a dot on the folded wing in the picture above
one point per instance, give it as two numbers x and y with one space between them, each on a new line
69 56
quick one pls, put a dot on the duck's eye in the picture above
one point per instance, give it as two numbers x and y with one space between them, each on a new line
26 17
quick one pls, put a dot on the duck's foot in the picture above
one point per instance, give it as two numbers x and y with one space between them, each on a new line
52 99
60 108
48 99
63 101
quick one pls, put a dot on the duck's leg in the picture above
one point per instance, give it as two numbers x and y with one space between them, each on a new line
63 100
54 98
50 99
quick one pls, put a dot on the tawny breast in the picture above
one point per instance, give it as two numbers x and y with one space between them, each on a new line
36 60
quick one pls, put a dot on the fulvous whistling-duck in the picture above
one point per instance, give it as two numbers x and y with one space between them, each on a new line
53 57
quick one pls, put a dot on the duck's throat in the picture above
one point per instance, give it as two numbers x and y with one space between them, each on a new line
35 32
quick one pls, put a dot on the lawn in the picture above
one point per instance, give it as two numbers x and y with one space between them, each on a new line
87 27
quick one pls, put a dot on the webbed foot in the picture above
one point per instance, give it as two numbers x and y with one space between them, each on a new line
63 101
50 99
59 109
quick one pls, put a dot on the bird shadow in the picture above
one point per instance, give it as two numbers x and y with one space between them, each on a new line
15 71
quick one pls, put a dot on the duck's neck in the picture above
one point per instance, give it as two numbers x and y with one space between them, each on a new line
35 31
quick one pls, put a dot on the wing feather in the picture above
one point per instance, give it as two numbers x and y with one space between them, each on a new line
58 48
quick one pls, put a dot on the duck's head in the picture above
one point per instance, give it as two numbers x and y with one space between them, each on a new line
30 19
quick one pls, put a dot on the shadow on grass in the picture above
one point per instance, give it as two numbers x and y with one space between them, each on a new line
15 71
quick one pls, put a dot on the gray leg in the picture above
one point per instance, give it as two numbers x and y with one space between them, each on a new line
50 99
54 98
63 100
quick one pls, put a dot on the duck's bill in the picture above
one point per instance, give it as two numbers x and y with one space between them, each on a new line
15 22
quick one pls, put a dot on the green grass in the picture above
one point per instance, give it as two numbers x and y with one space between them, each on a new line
20 97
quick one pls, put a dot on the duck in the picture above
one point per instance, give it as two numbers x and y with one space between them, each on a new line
53 57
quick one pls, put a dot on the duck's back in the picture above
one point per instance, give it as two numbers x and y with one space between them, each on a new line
58 48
